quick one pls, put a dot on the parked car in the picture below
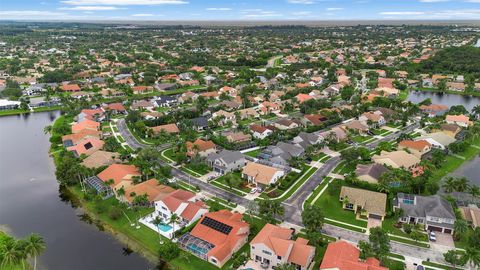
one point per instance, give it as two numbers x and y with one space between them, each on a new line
253 190
432 236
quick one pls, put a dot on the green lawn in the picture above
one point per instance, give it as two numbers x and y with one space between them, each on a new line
452 163
360 138
317 190
319 156
394 265
170 154
388 225
332 209
253 153
200 168
410 242
215 183
144 238
12 112
237 181
304 176
437 265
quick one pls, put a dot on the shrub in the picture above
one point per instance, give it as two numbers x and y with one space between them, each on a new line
115 213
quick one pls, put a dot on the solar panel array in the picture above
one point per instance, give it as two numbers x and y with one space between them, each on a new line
216 225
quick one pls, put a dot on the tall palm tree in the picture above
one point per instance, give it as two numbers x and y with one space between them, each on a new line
461 184
10 253
461 227
157 221
474 190
472 256
34 247
173 219
449 185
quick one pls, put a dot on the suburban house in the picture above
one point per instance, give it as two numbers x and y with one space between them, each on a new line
435 213
434 109
364 202
86 146
438 140
165 101
182 203
273 245
450 129
216 237
313 119
199 123
237 137
304 139
8 104
150 189
118 176
142 104
471 214
70 88
341 255
101 158
417 148
260 132
85 124
282 153
355 126
459 120
248 113
201 148
286 124
261 174
336 134
372 119
226 161
73 139
223 117
168 128
91 114
397 159
370 172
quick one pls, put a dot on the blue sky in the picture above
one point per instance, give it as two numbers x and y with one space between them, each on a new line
239 10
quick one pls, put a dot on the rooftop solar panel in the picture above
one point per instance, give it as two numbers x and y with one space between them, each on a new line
216 225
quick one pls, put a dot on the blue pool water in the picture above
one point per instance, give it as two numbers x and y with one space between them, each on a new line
197 249
164 227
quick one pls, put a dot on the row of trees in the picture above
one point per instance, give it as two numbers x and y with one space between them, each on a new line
14 253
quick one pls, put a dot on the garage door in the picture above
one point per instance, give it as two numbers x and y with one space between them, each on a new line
375 216
435 229
448 231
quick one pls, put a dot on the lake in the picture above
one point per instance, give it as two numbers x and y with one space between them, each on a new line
30 201
447 99
471 170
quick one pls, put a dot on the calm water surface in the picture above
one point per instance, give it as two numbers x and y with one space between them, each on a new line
447 99
30 202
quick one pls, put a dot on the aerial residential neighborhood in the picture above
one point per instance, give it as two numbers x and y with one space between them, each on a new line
239 145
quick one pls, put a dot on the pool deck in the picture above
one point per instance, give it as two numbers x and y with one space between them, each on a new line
147 221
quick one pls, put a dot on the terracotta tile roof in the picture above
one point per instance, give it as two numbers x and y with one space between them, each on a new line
315 119
202 145
116 106
92 113
85 124
87 146
434 107
341 255
417 145
82 134
191 210
176 198
278 240
224 243
118 173
151 188
303 97
385 82
458 118
70 87
168 128
258 128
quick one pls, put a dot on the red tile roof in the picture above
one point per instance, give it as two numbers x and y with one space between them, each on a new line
344 256
85 124
118 173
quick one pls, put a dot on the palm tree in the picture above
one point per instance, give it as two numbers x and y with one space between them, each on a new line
277 209
157 221
461 184
10 253
472 256
449 185
34 247
461 227
47 129
474 190
173 219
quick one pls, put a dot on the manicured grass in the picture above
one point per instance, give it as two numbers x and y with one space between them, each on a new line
339 167
170 154
190 172
361 139
394 265
253 153
47 109
319 156
388 225
227 189
306 172
12 112
239 182
145 238
200 168
317 190
410 242
437 265
451 163
332 208
341 225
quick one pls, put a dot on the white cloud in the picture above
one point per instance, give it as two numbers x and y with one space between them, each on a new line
305 2
142 15
301 13
30 13
334 8
123 2
218 9
90 8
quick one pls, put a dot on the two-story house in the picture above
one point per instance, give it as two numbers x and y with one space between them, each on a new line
435 213
226 161
274 246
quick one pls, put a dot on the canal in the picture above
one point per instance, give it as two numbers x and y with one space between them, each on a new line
30 201
447 99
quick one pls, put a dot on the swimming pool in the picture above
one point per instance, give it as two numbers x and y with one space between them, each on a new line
164 227
197 249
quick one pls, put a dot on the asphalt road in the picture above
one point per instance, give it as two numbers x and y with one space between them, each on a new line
293 205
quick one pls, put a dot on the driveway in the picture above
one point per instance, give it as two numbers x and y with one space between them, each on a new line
444 240
373 222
